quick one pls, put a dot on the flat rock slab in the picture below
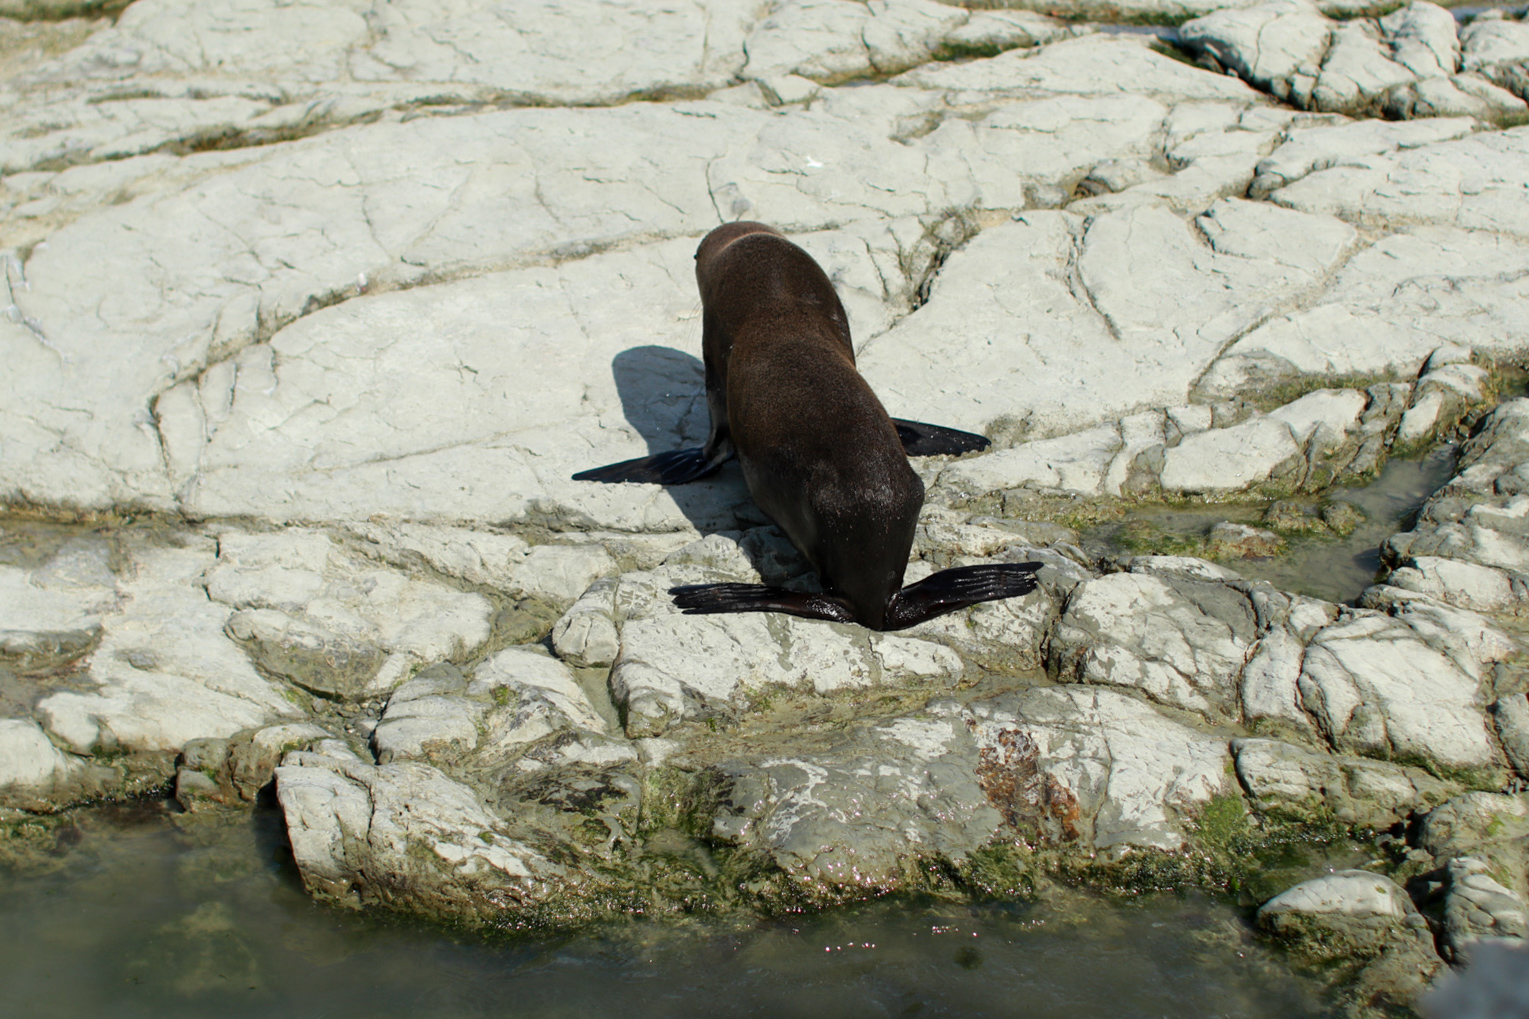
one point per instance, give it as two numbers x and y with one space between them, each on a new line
164 672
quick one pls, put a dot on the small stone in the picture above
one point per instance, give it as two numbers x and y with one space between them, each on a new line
1342 517
1239 541
1293 518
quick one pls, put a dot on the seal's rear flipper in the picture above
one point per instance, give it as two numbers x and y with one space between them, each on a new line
699 599
673 468
954 589
920 439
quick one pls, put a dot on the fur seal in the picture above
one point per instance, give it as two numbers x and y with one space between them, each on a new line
820 454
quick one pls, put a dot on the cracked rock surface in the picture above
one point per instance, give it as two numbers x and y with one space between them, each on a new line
311 311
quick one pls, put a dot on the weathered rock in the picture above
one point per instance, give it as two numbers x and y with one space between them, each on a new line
1375 300
1376 685
1003 354
1372 189
236 771
427 718
1477 518
1463 584
1180 641
1227 540
1318 146
29 762
1498 49
1468 823
1277 47
55 611
1511 713
670 667
1349 912
1477 909
1353 919
164 671
1221 460
359 838
1423 40
332 623
1290 781
1072 763
504 562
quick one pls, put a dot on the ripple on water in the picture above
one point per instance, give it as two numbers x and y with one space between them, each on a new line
141 917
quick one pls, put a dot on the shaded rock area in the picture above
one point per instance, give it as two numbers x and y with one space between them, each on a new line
311 311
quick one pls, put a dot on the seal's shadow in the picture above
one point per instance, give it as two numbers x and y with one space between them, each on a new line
663 397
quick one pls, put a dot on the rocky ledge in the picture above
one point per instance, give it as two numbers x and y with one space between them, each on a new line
312 311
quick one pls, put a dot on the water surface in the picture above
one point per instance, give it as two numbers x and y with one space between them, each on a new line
135 915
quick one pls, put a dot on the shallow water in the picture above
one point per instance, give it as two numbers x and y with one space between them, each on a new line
137 916
1321 566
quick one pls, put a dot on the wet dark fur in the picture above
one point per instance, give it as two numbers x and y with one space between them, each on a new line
819 452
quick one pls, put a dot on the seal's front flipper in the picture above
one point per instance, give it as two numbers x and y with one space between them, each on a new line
957 588
699 599
673 468
920 439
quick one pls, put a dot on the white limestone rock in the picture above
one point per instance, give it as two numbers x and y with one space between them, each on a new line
841 821
56 609
333 622
1463 584
165 672
28 759
1094 766
1375 685
1357 70
428 718
1073 464
1212 149
1498 50
533 696
1225 460
504 562
1469 95
1181 642
1479 909
1423 39
531 53
1354 893
1312 437
670 667
1371 319
1316 146
1511 713
1347 916
1473 183
174 342
829 42
1277 47
365 833
1135 339
1472 823
1056 140
1289 780
1089 65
